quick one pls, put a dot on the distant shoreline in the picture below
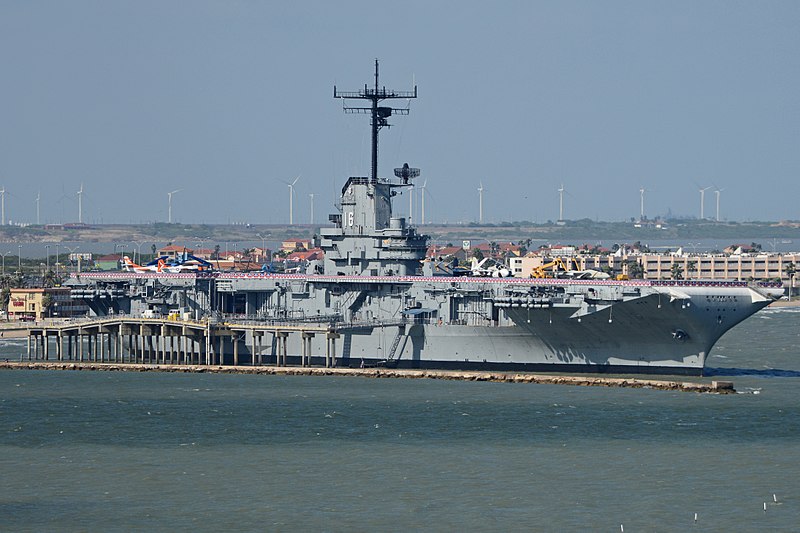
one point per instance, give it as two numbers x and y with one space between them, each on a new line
578 230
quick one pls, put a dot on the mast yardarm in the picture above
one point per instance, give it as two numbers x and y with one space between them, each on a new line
379 114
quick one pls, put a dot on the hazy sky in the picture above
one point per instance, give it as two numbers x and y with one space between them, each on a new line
224 99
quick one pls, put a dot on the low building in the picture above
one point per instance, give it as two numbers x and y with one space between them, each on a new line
292 245
309 255
81 259
36 304
260 255
522 267
173 252
204 253
509 249
446 252
108 262
558 250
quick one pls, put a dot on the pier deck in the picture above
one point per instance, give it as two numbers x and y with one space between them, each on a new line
169 341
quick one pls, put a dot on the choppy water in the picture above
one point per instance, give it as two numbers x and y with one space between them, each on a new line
82 451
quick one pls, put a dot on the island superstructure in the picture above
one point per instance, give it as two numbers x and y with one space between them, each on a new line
375 293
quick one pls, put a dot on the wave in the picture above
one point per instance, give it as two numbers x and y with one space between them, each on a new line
13 342
776 310
763 372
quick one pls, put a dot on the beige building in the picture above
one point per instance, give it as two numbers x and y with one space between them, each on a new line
295 245
743 267
760 267
28 304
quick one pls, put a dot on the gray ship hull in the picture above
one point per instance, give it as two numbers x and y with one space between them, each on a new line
453 323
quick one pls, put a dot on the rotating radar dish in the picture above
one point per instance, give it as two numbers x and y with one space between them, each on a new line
406 173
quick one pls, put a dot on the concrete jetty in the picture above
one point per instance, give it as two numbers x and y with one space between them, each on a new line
715 387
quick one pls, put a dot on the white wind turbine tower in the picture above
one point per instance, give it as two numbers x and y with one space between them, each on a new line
561 203
169 202
480 203
717 191
38 197
410 203
641 205
291 198
703 201
80 205
3 204
422 196
311 195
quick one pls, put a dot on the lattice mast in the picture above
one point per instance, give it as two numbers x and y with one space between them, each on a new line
379 114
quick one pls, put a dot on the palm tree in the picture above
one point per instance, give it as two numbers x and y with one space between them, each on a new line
635 270
676 271
5 296
50 279
47 302
790 271
690 266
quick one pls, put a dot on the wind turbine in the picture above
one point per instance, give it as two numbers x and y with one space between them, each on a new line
38 197
291 198
80 205
311 195
703 201
480 203
717 191
169 199
3 204
641 207
422 195
561 203
410 203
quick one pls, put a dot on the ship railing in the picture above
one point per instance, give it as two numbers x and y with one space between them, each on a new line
284 320
369 324
94 320
87 319
697 283
769 284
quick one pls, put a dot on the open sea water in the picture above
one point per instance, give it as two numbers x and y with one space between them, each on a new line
103 451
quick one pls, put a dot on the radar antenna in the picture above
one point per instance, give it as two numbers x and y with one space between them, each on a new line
405 173
380 115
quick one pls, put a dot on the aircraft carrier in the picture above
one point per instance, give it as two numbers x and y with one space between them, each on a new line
376 293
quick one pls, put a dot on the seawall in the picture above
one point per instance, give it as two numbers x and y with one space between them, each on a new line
716 387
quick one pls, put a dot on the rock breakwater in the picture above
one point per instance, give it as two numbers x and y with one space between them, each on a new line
717 387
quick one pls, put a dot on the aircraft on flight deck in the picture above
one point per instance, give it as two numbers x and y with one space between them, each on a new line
130 266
